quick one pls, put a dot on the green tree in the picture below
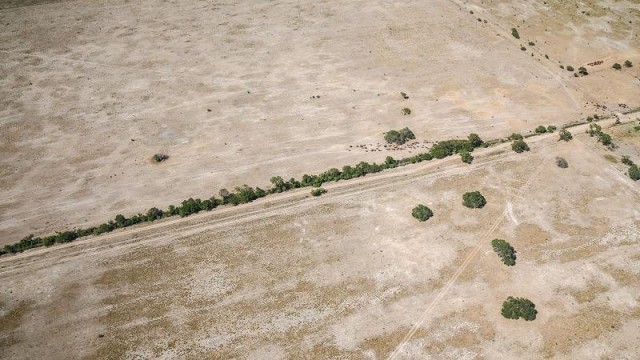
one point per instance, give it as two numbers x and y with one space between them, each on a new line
562 163
399 137
541 130
506 252
617 66
515 34
515 308
565 135
406 111
422 213
634 172
569 68
473 200
475 140
628 63
516 136
583 71
318 191
605 139
519 146
466 157
551 128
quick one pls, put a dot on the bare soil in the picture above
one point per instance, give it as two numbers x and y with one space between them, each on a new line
236 93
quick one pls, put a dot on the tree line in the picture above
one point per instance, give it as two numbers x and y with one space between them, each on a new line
245 194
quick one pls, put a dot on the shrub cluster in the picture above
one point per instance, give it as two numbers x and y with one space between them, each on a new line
466 157
515 308
245 194
400 136
473 200
604 138
318 191
565 135
506 252
422 213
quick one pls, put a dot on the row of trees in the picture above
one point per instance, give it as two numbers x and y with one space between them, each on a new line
401 136
245 194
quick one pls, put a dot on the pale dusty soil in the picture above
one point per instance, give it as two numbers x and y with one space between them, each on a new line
351 274
347 275
79 80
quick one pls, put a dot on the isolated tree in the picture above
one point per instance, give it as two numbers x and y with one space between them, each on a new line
605 139
406 111
506 252
404 95
515 34
569 68
541 130
565 135
473 200
617 66
519 146
628 63
515 308
562 163
583 71
551 128
422 213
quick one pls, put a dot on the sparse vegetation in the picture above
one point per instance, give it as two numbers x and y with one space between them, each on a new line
406 111
515 308
422 213
610 158
628 64
318 191
569 68
399 137
565 135
506 252
561 162
515 33
617 66
519 146
473 200
626 160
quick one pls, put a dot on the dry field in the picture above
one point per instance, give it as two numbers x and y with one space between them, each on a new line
238 92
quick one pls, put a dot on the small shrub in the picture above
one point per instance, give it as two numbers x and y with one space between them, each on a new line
605 139
628 63
515 34
569 68
475 140
466 157
515 308
506 252
594 129
617 66
406 111
404 95
551 128
519 146
541 130
610 158
474 200
562 163
515 136
318 191
160 157
562 67
589 118
523 48
565 135
531 43
422 213
634 172
583 71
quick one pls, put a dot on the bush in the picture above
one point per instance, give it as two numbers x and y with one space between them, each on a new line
523 48
617 66
160 157
422 213
515 34
605 139
475 140
519 146
531 43
515 308
506 252
474 200
594 129
406 111
562 163
551 128
634 172
628 63
404 95
565 135
515 136
541 130
318 191
569 68
399 137
583 71
466 157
